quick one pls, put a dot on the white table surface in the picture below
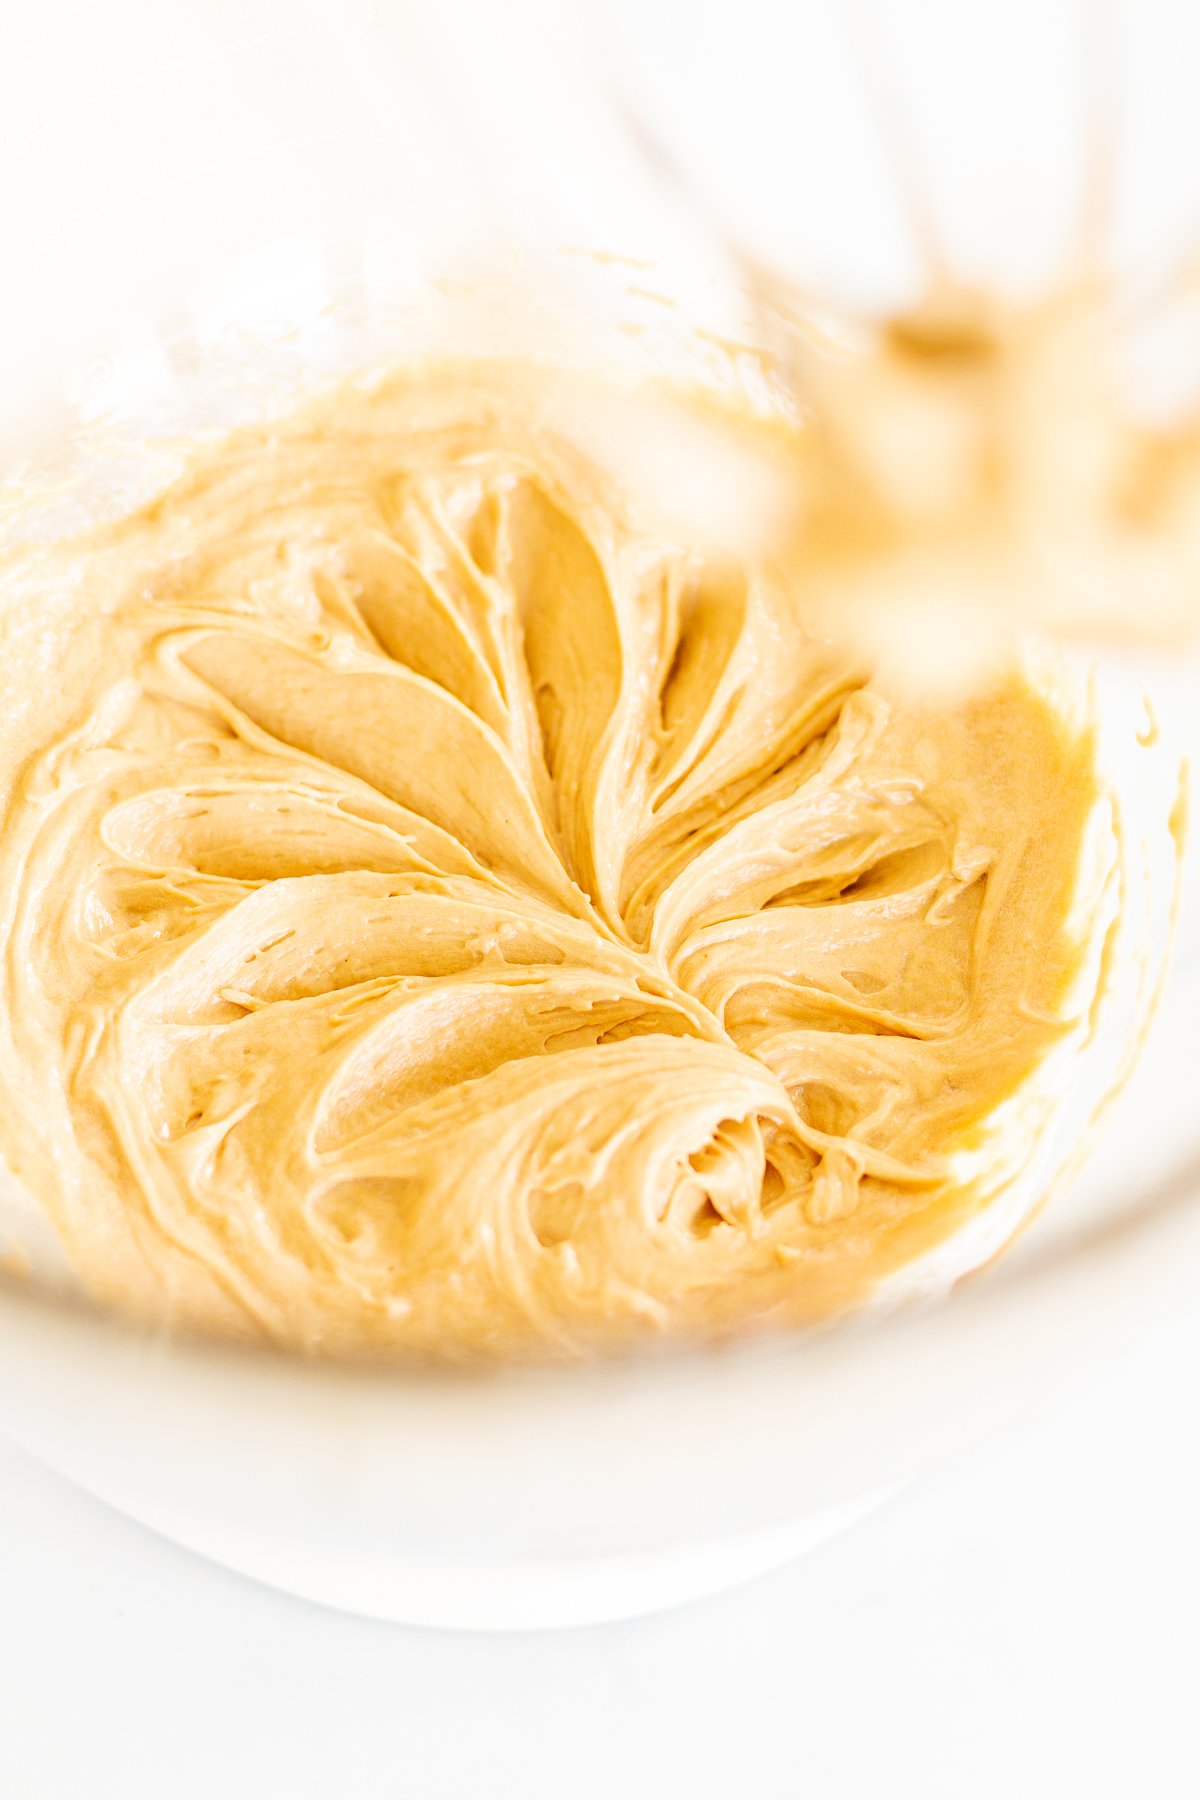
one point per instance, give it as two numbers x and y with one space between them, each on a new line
1022 1625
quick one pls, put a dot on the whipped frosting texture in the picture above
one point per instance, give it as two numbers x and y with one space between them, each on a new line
445 913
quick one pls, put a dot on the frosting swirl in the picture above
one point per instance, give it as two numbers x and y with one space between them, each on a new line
444 912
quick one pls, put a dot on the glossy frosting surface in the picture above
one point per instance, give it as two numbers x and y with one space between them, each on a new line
442 912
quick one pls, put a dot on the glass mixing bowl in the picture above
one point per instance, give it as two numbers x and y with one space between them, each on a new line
208 208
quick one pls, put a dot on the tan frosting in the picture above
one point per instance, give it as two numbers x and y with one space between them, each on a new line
442 912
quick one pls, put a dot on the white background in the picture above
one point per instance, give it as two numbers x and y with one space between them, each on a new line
1022 1625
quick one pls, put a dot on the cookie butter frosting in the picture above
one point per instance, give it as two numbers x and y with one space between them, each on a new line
443 912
